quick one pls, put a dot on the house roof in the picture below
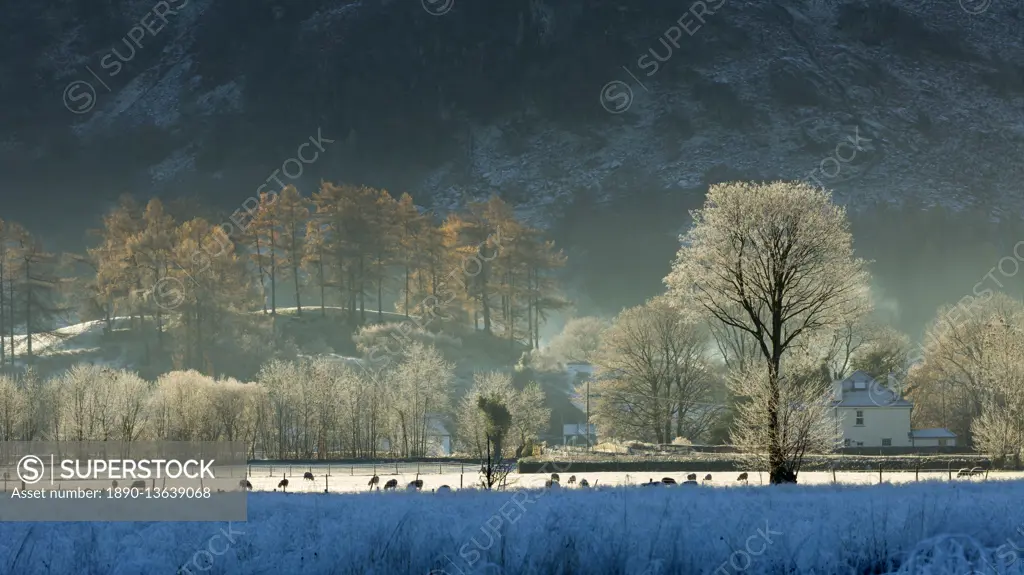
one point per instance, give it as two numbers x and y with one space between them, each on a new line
876 397
874 394
933 433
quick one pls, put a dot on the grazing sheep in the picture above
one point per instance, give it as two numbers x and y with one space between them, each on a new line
572 479
283 484
245 484
742 477
391 484
141 484
552 484
444 489
308 476
707 477
668 481
691 477
554 477
373 482
584 483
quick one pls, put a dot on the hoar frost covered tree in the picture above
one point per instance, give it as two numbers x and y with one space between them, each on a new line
526 406
654 381
803 422
776 262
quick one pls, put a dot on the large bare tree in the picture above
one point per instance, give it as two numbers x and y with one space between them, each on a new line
775 261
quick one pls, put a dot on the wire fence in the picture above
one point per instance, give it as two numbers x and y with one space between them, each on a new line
286 470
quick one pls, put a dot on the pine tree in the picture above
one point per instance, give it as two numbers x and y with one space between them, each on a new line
292 215
38 288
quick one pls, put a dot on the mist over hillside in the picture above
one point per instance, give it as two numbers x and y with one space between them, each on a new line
507 98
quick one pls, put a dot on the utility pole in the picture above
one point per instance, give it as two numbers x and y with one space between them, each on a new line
589 443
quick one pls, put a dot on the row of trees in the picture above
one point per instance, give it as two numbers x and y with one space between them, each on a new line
766 305
313 408
187 286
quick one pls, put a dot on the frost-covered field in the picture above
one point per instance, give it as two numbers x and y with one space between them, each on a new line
928 528
342 479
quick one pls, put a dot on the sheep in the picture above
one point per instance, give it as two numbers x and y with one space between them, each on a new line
444 489
551 484
391 484
572 479
244 484
308 476
742 477
584 483
374 482
707 477
691 477
283 484
141 484
554 477
668 481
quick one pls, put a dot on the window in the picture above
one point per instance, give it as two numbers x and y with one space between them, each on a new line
942 443
886 443
860 417
860 444
847 442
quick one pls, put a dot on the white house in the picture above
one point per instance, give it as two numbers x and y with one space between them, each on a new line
934 437
870 414
873 414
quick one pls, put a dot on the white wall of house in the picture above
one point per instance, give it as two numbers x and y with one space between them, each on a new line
872 426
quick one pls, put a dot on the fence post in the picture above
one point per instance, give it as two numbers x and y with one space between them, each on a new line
917 471
879 473
949 469
396 467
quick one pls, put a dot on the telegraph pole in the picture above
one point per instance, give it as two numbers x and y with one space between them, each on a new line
588 415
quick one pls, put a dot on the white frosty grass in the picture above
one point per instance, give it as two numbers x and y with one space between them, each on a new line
930 528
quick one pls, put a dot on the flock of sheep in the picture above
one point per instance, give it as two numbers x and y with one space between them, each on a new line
553 482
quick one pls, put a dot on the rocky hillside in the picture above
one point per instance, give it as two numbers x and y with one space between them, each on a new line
453 99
